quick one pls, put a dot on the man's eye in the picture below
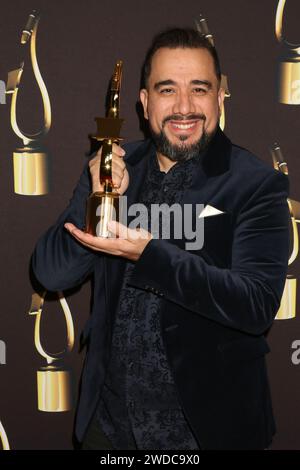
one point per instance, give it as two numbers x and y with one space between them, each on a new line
199 91
166 90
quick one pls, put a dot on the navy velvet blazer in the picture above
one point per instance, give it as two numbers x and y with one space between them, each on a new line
217 302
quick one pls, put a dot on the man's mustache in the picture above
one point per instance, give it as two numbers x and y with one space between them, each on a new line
180 117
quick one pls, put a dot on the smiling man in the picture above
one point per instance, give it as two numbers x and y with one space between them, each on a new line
182 102
176 339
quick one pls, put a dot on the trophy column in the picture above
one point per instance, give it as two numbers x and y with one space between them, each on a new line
103 206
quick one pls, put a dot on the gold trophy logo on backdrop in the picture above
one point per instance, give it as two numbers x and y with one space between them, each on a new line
3 438
31 161
202 28
287 309
54 381
104 206
289 63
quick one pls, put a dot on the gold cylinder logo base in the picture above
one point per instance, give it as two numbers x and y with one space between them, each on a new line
287 309
101 208
289 82
31 176
54 389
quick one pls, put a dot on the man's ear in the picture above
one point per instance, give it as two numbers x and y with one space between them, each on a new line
221 96
144 100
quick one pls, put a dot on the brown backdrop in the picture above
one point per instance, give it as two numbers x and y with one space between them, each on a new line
78 44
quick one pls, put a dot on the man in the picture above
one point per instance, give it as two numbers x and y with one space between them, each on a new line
175 343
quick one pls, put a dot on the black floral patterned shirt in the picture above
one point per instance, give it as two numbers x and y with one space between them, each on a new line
139 408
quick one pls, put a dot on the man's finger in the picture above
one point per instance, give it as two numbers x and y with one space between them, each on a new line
106 245
70 227
118 150
124 232
118 229
75 231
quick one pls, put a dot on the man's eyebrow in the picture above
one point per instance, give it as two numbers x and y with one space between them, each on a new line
157 85
206 83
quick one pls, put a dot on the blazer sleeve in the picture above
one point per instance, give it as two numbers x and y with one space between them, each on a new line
246 296
58 261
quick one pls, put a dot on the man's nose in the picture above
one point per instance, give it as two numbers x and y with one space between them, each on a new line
184 103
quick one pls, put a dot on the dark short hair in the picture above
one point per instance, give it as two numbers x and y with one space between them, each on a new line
174 38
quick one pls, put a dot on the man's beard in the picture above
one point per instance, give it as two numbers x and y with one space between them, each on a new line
183 152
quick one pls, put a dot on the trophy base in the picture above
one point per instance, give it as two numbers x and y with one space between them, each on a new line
101 208
287 309
30 172
54 389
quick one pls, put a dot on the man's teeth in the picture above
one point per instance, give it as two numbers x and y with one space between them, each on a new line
183 126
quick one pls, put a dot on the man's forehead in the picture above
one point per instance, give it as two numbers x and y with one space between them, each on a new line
199 52
181 59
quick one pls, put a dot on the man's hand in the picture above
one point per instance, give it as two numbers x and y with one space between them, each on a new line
127 243
120 175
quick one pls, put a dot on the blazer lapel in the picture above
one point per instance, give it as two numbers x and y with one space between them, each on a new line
214 163
137 164
207 179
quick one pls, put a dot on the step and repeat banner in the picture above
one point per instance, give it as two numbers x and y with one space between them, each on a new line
56 60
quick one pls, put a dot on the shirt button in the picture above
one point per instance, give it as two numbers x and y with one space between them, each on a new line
166 189
131 404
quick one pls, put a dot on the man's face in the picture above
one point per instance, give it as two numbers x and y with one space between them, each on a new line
182 101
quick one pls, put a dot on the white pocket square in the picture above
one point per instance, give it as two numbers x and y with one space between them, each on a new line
210 210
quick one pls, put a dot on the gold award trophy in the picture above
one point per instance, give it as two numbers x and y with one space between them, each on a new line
54 382
202 28
31 161
289 64
103 206
3 438
287 309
